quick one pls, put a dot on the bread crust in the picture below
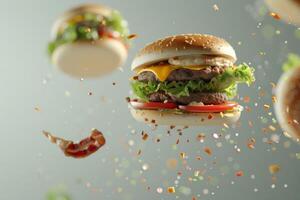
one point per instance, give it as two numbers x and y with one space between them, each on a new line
184 45
83 59
158 117
287 107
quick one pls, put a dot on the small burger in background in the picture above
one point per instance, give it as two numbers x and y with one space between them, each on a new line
187 80
288 10
287 105
89 41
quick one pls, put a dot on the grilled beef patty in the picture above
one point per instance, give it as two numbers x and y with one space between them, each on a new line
206 98
184 74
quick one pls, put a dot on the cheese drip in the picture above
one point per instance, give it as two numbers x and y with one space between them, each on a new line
163 71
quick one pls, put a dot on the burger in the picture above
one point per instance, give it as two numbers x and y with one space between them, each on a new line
89 40
287 9
187 80
287 104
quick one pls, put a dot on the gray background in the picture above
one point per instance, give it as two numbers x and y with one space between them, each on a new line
30 165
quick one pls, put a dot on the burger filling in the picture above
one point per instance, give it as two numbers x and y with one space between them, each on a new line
183 85
90 27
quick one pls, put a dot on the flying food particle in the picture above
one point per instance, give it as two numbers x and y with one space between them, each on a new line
208 151
200 137
144 136
171 190
216 7
266 106
216 135
239 173
132 36
171 163
182 155
225 125
246 99
251 143
131 142
198 158
222 114
172 127
272 128
159 190
139 152
145 167
275 15
274 168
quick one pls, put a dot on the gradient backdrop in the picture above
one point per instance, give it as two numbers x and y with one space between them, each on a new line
35 97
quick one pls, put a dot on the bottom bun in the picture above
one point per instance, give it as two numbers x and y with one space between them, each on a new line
287 107
90 59
185 119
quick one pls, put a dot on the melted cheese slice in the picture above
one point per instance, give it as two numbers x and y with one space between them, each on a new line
163 71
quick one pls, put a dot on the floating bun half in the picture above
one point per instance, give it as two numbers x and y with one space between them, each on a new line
289 10
287 107
90 59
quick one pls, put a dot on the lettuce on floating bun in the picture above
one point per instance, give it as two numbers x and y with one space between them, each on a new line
292 62
89 41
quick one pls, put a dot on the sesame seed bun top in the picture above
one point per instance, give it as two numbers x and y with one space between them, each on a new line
183 45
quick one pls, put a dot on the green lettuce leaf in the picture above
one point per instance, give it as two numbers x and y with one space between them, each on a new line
292 62
117 23
225 82
68 36
58 193
89 30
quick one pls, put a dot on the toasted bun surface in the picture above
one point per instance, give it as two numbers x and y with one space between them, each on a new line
287 107
289 10
90 59
185 119
183 45
81 9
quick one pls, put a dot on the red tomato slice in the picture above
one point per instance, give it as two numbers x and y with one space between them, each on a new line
105 32
152 105
209 108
